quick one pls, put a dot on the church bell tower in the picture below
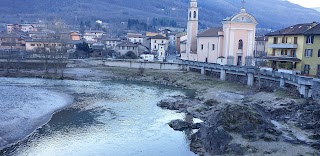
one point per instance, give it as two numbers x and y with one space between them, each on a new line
192 28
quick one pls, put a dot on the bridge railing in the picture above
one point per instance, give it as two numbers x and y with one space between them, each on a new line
296 79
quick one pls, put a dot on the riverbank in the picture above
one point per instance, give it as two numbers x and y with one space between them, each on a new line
237 119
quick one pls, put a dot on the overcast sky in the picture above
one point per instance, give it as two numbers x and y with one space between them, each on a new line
307 3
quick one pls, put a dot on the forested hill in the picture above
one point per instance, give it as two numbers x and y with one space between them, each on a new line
269 13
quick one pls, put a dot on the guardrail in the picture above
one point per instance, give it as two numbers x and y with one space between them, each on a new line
288 78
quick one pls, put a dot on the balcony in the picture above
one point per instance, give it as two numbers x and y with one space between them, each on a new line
283 46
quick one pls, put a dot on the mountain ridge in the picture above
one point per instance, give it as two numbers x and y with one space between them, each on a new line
272 14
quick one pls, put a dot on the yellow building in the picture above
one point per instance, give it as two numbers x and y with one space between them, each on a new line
295 49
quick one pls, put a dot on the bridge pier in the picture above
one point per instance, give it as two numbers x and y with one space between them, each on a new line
304 91
223 75
203 71
250 79
282 82
188 68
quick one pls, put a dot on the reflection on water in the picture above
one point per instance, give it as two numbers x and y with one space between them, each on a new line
115 119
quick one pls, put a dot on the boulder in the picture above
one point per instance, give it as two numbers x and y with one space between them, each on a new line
180 125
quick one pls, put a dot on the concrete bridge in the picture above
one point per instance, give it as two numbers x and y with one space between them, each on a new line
246 74
303 84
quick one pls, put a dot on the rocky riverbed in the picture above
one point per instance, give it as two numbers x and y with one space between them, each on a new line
260 124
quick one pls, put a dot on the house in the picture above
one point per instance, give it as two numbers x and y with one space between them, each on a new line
295 49
260 46
135 38
12 41
92 35
180 37
231 44
127 46
90 38
20 27
34 44
96 33
156 42
111 43
75 35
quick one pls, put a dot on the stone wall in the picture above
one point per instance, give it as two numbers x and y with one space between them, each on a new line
213 74
145 65
237 79
267 85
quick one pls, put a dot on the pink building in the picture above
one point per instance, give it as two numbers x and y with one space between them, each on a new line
231 44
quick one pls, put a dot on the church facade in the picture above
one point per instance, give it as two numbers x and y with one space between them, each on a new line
231 44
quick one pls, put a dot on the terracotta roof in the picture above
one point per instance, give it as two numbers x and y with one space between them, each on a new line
212 32
298 29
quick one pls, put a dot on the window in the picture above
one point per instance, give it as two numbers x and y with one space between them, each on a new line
155 41
306 69
213 47
319 53
295 40
190 15
283 40
308 53
201 46
310 39
33 45
275 40
240 44
194 14
273 52
162 41
155 46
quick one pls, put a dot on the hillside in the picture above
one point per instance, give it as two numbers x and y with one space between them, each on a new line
269 13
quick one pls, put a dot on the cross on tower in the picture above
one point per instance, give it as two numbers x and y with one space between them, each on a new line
243 3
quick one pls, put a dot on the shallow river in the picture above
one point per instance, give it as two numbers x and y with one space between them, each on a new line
106 119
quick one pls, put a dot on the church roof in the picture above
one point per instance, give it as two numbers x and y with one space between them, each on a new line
212 32
242 17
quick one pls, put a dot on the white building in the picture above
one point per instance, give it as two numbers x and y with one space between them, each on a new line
135 38
157 42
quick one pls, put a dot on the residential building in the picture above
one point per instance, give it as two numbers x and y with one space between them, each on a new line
157 42
180 37
12 41
75 35
97 33
295 49
135 38
261 46
111 42
231 44
34 44
127 46
20 27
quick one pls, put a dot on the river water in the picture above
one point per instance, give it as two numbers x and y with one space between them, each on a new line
105 119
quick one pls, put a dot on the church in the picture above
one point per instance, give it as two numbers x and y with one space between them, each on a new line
231 44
